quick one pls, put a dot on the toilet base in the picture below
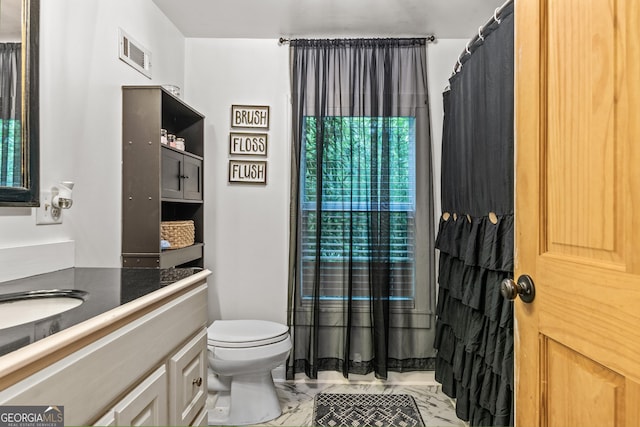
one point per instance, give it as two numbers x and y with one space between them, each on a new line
255 388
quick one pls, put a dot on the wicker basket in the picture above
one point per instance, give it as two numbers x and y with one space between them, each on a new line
170 275
179 234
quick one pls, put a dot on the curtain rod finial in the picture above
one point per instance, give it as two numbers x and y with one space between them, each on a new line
431 38
282 40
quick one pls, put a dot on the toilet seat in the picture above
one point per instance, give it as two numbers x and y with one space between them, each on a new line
245 333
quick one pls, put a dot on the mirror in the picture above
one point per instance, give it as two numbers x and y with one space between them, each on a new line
19 103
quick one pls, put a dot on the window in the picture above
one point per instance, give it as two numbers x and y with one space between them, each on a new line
10 153
363 183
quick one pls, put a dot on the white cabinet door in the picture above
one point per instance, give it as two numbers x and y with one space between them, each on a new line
188 380
146 405
201 419
108 420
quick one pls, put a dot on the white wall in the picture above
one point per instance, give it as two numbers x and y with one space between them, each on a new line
80 126
247 226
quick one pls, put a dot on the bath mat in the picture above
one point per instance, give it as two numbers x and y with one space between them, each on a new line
365 410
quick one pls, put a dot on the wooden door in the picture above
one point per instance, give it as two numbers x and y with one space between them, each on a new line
577 346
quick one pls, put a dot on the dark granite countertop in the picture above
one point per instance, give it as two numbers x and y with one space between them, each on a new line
107 288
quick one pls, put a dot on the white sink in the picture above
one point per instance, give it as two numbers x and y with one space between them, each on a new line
24 307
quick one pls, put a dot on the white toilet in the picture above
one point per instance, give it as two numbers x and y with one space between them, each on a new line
242 354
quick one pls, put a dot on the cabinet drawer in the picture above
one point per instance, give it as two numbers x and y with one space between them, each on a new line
188 380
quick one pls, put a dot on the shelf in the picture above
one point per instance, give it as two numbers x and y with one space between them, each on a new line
171 257
159 182
164 259
170 200
186 153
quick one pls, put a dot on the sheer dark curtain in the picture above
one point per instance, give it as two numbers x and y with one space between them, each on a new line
361 265
475 236
10 111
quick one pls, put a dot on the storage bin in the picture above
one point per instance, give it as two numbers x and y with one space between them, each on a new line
179 234
173 274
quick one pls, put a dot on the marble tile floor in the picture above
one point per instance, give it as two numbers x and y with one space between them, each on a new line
296 398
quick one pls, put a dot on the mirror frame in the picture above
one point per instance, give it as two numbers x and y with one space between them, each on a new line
29 193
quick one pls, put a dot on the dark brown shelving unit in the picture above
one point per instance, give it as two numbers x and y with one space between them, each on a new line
160 183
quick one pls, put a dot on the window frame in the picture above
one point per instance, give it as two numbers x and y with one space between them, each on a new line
28 193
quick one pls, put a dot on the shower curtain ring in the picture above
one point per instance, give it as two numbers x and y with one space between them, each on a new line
480 36
495 15
466 48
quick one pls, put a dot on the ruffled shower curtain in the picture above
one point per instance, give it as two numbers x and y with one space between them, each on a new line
474 328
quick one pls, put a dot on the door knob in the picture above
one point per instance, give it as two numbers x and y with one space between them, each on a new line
524 287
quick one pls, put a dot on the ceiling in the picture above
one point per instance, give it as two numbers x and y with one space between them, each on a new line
271 19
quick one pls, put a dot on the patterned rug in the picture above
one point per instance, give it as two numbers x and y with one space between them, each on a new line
366 410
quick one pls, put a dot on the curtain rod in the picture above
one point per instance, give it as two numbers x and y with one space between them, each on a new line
479 36
431 38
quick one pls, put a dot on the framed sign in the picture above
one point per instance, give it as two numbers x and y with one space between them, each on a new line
250 116
248 144
248 171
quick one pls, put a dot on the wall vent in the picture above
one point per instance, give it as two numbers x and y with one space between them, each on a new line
134 54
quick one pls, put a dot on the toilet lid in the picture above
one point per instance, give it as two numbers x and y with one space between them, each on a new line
245 333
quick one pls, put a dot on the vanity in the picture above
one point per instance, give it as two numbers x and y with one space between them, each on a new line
133 353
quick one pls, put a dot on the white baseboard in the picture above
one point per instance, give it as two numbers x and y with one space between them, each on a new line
24 261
